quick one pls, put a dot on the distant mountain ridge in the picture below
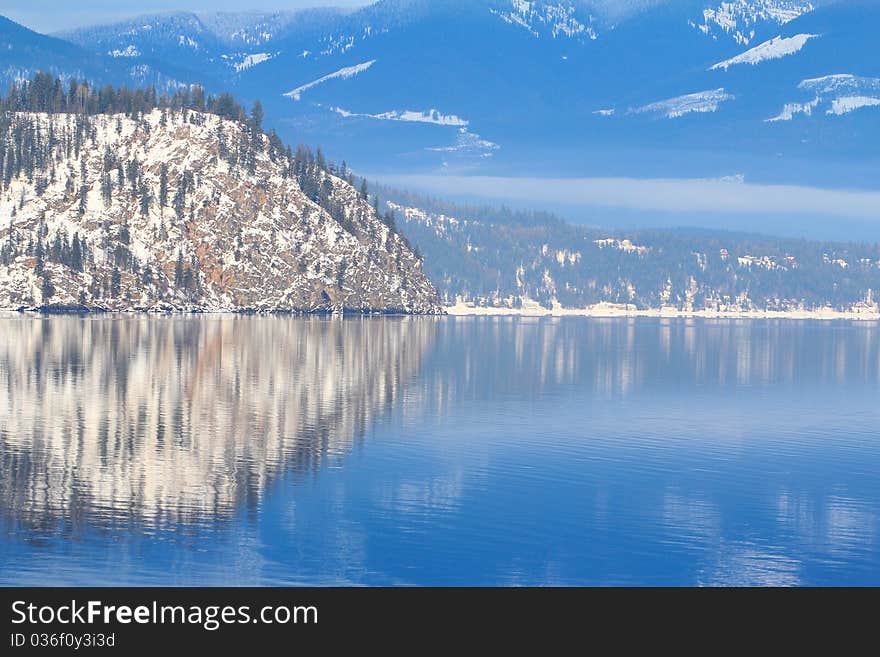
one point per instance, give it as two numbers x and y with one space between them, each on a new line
720 80
675 88
505 259
23 52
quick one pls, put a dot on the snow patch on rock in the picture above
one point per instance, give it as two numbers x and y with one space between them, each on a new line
847 104
776 48
432 116
243 62
699 102
342 74
129 51
837 94
469 144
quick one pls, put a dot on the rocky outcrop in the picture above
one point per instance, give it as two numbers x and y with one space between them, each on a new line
186 211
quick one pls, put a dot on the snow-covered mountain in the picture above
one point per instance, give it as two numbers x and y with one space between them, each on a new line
741 20
24 52
210 47
548 19
599 87
187 210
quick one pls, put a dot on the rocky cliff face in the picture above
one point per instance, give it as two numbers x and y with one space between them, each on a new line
188 211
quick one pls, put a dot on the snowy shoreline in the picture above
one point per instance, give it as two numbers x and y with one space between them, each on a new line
244 312
607 310
599 311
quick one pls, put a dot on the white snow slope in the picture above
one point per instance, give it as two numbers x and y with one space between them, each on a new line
775 48
341 74
700 102
431 116
837 94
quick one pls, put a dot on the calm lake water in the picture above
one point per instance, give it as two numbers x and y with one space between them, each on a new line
438 451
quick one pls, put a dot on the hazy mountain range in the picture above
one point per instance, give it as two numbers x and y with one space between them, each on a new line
775 90
709 106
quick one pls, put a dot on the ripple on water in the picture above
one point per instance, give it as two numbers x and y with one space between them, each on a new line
280 450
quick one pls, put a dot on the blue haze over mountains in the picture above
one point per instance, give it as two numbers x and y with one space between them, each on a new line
513 88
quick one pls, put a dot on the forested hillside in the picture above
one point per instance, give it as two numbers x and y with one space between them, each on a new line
500 257
122 199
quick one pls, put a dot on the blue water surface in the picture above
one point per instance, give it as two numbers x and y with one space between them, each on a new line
226 450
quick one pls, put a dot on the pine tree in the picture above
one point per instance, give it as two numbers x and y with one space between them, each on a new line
257 116
163 185
76 255
84 187
178 270
133 170
83 199
40 254
115 283
188 283
146 201
47 290
340 273
180 195
107 189
56 250
390 221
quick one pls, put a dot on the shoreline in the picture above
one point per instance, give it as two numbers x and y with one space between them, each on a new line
465 310
83 311
607 311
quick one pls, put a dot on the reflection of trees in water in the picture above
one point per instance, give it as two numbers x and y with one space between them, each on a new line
484 357
182 419
187 418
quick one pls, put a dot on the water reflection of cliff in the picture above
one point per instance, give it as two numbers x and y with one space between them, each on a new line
184 419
